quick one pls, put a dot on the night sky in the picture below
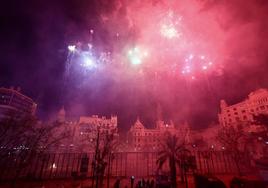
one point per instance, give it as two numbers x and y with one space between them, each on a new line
35 35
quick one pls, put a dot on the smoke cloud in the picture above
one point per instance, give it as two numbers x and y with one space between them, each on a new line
234 34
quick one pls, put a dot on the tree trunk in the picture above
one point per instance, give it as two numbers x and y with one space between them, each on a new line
238 167
108 173
237 160
186 181
181 173
173 172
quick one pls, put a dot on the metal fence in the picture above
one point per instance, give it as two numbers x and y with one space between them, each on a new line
123 164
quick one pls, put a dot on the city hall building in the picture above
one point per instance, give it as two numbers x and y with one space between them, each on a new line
141 138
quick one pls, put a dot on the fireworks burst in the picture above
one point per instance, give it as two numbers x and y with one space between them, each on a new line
194 65
166 55
169 31
169 26
71 48
137 55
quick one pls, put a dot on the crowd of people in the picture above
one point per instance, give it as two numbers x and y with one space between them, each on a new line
142 183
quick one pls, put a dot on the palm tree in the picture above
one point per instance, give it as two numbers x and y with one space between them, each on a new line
174 151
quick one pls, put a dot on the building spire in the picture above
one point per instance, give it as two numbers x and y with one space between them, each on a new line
138 123
159 113
61 114
223 104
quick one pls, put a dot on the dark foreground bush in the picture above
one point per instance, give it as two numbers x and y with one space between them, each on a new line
244 183
202 181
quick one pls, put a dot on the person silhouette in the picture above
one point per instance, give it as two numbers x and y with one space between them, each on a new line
117 183
132 178
152 183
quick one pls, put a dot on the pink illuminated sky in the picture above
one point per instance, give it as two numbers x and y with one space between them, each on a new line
191 54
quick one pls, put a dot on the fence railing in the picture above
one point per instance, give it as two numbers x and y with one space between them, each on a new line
123 164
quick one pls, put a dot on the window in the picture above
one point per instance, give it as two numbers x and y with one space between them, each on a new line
235 113
234 109
237 119
243 111
245 117
262 107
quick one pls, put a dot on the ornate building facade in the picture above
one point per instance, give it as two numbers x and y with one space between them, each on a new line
243 112
13 102
142 139
241 115
85 130
90 128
